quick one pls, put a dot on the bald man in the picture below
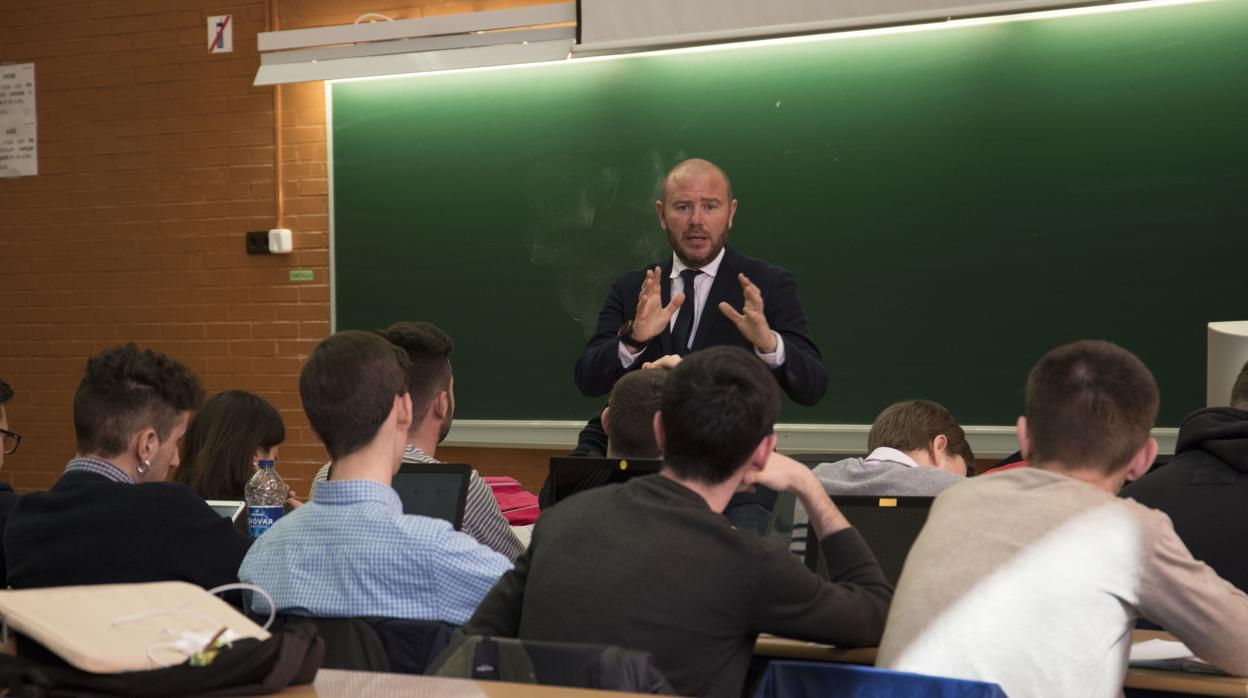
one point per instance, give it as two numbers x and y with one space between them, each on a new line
705 295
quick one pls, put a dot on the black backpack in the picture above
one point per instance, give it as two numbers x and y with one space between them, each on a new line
248 667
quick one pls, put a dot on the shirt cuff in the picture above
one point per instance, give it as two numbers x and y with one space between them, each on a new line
775 359
627 357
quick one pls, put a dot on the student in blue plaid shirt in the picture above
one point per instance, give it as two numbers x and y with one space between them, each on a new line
350 551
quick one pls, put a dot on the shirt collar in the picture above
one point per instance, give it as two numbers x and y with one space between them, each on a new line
99 466
711 268
341 492
413 454
891 454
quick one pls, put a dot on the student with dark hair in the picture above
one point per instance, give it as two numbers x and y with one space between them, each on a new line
652 565
629 414
1204 488
432 387
111 518
225 440
1046 564
9 441
351 551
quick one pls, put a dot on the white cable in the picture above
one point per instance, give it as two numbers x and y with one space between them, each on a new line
250 587
373 16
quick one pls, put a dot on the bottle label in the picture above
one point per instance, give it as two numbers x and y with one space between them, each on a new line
260 519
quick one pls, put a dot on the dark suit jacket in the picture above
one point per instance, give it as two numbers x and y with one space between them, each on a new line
802 375
90 530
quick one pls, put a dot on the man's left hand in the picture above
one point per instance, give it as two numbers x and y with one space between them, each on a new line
752 323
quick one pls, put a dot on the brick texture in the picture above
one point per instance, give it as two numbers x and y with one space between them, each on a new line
155 158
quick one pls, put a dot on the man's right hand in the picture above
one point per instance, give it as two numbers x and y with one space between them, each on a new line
652 316
783 474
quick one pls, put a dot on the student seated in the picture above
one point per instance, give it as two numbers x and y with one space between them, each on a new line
652 565
350 550
626 426
1033 578
1204 488
9 441
916 449
431 386
634 399
225 441
111 518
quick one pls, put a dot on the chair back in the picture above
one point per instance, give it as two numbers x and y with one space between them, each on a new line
791 679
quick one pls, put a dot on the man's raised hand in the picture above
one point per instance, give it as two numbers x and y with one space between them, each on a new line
752 323
652 316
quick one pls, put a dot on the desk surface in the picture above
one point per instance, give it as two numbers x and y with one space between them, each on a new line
1149 679
333 683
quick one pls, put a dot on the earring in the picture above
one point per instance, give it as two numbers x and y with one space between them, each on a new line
144 467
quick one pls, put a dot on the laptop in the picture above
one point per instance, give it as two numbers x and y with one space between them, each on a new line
889 525
436 490
229 508
569 475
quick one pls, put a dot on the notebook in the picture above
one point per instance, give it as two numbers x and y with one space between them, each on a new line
436 490
889 525
571 475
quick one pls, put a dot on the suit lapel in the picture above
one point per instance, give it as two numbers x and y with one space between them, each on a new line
721 290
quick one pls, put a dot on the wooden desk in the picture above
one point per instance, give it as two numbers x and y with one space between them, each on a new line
1145 679
334 683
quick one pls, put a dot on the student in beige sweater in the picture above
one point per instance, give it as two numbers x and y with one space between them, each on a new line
1033 578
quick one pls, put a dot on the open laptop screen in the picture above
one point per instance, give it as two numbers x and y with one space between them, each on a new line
229 508
889 525
437 490
571 475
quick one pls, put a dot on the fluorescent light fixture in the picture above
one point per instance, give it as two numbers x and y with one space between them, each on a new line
580 54
807 38
466 40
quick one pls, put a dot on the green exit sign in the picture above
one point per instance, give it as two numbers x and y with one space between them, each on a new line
300 274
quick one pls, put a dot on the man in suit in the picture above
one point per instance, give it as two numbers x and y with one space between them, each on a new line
670 308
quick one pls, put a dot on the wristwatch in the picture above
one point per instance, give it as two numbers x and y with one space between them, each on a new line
626 336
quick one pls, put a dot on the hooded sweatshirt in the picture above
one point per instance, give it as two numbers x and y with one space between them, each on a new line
1204 489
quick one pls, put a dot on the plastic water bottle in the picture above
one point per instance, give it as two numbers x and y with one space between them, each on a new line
266 498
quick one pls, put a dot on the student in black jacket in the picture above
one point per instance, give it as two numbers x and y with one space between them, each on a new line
652 565
9 441
111 518
1204 488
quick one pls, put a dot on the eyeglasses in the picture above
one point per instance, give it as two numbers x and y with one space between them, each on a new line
11 441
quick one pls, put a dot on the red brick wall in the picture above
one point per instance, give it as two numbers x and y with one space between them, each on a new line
154 159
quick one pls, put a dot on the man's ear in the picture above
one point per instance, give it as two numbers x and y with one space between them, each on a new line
403 411
1024 439
606 425
762 452
1143 460
441 405
660 438
658 207
940 444
732 211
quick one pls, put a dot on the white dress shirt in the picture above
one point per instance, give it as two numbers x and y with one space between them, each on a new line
890 454
701 290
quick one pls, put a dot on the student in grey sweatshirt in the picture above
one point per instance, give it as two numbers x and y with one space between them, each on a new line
1043 570
916 449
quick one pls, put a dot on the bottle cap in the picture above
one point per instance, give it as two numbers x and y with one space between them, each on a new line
266 464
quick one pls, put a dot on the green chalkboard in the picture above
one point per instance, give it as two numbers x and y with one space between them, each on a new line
952 202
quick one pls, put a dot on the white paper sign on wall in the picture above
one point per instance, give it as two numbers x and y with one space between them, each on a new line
19 145
221 34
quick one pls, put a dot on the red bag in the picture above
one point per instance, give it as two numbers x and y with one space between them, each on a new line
519 506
